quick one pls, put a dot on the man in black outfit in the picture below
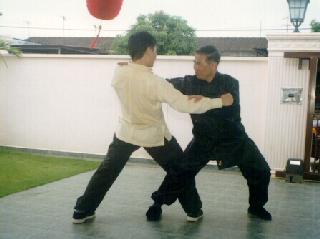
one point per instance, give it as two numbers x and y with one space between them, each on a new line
218 135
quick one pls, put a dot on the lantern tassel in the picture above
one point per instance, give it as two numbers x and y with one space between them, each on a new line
94 42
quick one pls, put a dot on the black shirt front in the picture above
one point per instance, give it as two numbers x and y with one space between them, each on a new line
219 131
213 119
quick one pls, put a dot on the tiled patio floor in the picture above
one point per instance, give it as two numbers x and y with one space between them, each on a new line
45 212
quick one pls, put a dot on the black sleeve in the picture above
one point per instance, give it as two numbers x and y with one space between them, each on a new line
232 112
178 83
234 91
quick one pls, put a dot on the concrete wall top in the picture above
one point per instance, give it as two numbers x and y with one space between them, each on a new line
126 57
293 42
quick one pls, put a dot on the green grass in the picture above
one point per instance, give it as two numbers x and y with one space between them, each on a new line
20 170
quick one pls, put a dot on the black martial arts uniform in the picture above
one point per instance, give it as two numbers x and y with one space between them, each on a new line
218 135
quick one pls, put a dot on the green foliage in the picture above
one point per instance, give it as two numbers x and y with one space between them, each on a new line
315 26
20 171
173 35
12 50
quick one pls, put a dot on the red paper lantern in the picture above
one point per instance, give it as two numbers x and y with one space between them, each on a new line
104 9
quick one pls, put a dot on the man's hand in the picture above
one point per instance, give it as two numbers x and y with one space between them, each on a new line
195 98
227 99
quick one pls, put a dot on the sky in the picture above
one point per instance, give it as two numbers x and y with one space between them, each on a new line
30 18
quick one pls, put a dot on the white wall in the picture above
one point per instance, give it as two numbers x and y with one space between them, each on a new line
286 124
65 103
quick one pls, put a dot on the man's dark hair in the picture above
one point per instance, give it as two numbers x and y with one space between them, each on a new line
211 52
138 44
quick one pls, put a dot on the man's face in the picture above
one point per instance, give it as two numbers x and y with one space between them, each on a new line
204 70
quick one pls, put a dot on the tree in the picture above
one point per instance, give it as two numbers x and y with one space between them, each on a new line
315 26
173 35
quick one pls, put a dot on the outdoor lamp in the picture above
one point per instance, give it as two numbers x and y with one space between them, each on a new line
297 10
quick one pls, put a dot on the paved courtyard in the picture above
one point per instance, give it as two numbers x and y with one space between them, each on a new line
45 212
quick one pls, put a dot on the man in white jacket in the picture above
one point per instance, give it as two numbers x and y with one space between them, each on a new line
142 123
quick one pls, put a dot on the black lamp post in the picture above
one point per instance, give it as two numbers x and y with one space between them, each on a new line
297 10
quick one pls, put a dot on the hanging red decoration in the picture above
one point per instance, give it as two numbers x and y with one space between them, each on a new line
104 9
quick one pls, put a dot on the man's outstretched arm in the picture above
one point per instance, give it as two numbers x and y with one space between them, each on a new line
166 93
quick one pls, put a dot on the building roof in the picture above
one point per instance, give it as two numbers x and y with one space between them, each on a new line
57 49
237 46
73 41
228 46
16 41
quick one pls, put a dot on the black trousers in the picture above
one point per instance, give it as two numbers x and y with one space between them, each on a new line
167 156
254 168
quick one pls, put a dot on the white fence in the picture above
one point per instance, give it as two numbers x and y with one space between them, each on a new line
65 103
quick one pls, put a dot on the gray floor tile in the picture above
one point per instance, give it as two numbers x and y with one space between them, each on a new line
45 212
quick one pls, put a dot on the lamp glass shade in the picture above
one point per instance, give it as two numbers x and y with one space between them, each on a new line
297 9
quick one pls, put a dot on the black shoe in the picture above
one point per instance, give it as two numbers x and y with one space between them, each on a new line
194 217
81 217
154 213
260 212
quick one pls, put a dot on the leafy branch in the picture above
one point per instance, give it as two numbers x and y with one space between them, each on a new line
11 50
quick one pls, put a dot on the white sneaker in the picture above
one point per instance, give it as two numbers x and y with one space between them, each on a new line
80 217
195 217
